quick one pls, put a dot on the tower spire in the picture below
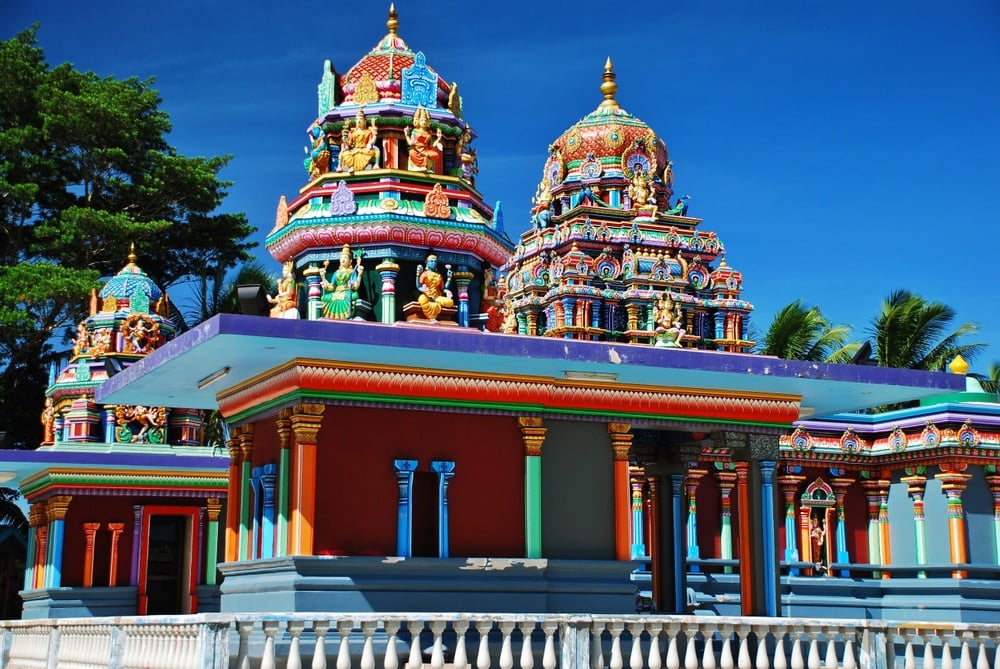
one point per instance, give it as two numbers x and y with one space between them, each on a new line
609 87
393 23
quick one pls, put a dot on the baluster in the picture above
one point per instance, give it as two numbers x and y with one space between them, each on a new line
909 661
813 662
654 630
344 627
549 659
596 648
849 661
527 658
946 661
780 659
483 654
616 661
506 654
761 661
461 660
243 656
673 655
726 658
320 628
391 659
981 661
743 655
966 659
635 653
368 628
798 662
690 653
437 648
831 650
928 653
708 655
267 660
416 658
295 628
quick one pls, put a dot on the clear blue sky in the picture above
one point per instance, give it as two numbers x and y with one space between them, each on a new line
840 149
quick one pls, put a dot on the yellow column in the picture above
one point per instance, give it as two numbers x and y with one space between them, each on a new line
233 497
621 442
953 485
306 421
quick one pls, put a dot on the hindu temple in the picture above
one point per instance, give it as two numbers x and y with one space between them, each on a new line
431 415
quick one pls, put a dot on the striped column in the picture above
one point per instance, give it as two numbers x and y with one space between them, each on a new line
283 483
56 510
35 515
746 555
655 549
727 481
621 442
637 480
994 483
953 484
533 438
874 493
677 521
306 421
246 495
840 486
387 270
789 486
213 508
691 482
233 496
915 486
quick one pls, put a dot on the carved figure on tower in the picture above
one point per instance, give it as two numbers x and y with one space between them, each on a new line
318 161
640 191
285 300
358 144
541 212
341 293
667 321
434 294
425 147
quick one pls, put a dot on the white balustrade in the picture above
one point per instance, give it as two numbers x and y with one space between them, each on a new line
493 641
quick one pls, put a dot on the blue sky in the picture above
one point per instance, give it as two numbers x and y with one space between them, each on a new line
841 150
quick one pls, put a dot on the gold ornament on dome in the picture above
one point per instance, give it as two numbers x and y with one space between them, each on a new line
281 215
614 137
365 91
573 140
389 204
554 170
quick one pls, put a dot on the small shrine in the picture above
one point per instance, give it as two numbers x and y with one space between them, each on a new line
607 256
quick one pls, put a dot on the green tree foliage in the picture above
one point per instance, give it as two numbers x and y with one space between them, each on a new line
85 170
798 332
912 333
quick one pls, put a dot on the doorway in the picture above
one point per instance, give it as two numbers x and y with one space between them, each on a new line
166 589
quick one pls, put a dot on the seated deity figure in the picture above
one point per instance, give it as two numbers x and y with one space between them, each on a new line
541 212
640 191
285 300
358 144
667 322
425 147
434 295
318 161
341 293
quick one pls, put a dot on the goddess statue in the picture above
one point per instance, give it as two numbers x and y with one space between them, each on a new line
542 211
667 322
318 161
285 300
434 295
358 144
340 294
640 191
425 147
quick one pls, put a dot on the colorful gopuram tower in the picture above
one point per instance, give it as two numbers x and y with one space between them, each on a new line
608 258
390 225
124 499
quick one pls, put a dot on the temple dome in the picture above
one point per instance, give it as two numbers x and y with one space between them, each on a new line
377 77
130 286
605 142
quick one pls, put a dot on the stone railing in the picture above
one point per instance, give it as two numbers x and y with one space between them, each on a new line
485 641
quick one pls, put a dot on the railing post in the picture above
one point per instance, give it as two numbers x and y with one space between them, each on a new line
53 662
574 642
213 645
876 650
116 652
8 640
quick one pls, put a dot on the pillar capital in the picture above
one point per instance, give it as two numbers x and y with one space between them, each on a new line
57 507
213 506
284 423
532 434
306 420
37 514
233 444
621 439
246 442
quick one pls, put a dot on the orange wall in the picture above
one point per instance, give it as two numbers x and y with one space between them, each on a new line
357 492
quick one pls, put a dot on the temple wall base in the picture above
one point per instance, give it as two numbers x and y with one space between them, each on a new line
370 584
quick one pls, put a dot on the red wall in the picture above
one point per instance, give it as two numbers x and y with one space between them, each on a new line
357 491
709 516
93 510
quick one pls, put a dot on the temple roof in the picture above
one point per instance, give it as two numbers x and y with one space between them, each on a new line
131 281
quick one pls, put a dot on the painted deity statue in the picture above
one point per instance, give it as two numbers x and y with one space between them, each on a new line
318 161
358 144
434 295
425 147
541 212
340 293
640 191
667 322
285 300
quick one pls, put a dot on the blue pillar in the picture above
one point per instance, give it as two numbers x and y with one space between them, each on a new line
677 492
109 426
268 476
445 469
404 525
769 536
255 513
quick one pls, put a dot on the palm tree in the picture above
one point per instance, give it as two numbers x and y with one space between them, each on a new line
991 380
217 295
912 333
801 333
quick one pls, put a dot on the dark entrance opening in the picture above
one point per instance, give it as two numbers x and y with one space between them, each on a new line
165 565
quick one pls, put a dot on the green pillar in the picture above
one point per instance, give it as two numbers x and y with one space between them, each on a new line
533 436
281 527
387 270
246 445
214 508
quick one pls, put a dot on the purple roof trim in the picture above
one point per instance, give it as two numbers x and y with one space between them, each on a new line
112 459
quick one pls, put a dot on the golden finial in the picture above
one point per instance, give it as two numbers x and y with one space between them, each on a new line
132 257
958 365
393 23
609 87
